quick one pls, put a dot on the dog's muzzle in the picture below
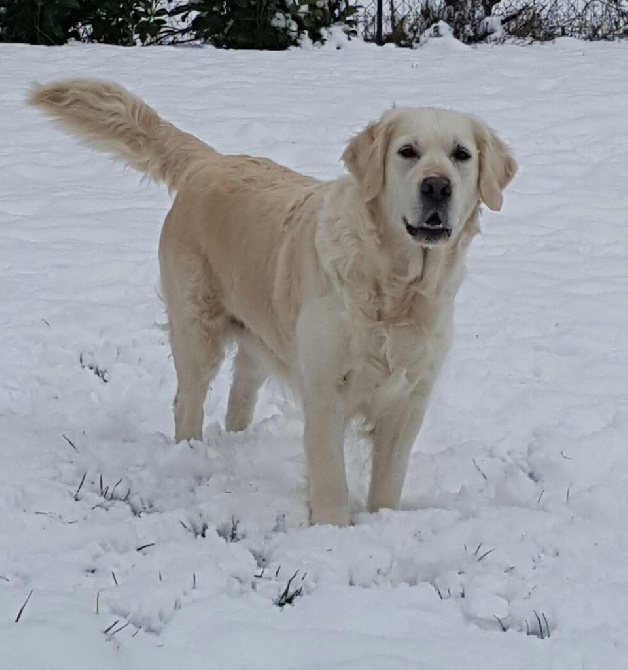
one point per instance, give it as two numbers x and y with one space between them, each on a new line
432 226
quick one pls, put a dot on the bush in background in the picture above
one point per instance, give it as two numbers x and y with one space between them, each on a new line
408 20
264 24
36 21
542 21
122 22
238 24
472 21
279 24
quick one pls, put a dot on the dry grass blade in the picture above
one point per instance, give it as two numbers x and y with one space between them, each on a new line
80 486
501 623
289 595
19 614
110 628
69 441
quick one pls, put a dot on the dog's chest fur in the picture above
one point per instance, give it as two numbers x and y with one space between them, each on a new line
398 350
399 323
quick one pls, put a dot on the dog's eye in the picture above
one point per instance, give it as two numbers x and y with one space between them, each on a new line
461 154
408 151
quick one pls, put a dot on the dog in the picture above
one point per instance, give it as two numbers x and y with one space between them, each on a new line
342 289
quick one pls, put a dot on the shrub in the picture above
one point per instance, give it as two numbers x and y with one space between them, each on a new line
123 22
264 24
404 21
238 24
36 21
541 21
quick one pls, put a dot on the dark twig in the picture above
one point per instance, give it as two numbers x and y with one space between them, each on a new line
69 441
288 596
485 554
500 622
19 614
538 619
80 486
477 467
115 632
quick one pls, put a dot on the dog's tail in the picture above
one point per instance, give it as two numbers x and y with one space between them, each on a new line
112 119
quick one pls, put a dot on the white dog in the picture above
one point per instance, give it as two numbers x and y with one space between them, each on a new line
343 289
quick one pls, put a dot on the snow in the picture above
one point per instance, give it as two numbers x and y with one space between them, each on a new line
514 511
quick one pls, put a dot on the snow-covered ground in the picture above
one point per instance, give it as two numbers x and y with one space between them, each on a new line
512 547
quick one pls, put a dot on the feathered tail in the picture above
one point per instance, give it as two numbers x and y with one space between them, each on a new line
110 118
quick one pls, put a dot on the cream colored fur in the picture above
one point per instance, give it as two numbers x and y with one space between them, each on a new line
319 283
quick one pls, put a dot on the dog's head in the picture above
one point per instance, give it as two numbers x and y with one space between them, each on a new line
429 169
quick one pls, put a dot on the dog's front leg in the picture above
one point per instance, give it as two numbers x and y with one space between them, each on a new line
323 354
393 437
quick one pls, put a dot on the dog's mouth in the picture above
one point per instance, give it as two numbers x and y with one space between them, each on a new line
433 229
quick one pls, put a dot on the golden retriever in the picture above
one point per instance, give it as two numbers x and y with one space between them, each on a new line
343 289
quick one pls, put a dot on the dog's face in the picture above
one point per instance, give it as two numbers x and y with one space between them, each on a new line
429 168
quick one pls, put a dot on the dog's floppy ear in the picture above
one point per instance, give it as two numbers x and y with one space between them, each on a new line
497 166
365 158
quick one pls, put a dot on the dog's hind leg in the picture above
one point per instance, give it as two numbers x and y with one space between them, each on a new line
197 357
196 325
248 376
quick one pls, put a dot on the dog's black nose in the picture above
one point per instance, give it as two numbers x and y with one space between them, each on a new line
436 190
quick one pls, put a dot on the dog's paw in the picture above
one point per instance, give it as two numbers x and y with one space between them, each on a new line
321 515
